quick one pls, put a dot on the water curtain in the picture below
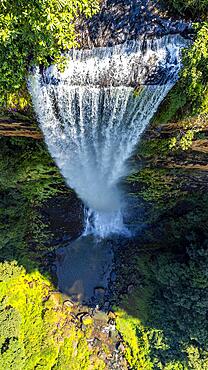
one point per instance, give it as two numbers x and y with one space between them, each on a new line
93 114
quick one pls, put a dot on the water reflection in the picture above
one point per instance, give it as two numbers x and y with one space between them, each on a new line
83 269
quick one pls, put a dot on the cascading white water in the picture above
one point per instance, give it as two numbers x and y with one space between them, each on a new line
92 119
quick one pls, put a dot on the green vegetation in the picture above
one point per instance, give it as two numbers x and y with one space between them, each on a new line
174 332
27 180
163 322
36 328
32 172
195 72
190 95
159 186
34 33
194 8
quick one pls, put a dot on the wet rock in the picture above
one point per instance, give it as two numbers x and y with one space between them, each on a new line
83 327
130 288
112 332
120 20
120 346
111 322
106 305
55 297
81 315
99 291
68 303
96 342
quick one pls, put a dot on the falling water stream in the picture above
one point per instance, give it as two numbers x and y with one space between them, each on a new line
93 114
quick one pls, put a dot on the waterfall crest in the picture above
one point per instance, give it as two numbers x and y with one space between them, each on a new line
92 118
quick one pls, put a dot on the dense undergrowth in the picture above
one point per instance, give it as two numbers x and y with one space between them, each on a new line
163 321
27 180
35 33
36 327
189 8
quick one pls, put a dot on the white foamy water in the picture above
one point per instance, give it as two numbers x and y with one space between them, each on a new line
92 120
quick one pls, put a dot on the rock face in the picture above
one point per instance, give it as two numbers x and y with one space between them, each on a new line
116 22
19 128
64 216
122 20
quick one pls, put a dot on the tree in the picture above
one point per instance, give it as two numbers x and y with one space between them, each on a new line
34 33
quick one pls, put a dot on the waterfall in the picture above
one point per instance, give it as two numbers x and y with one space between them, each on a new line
93 114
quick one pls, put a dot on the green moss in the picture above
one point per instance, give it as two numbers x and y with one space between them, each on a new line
25 165
153 148
157 185
28 178
35 329
137 345
173 107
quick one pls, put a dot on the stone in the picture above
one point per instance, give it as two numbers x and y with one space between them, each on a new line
100 316
68 303
120 346
99 291
55 297
130 288
133 18
106 305
111 315
80 315
83 327
96 342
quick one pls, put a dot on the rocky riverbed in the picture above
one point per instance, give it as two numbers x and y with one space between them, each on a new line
122 20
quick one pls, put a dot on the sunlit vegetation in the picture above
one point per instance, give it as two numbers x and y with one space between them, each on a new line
190 95
163 322
195 72
167 329
34 33
159 186
37 331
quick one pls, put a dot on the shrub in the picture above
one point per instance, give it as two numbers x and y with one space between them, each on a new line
34 32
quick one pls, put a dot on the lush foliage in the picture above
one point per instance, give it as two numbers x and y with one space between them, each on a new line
32 33
189 97
195 72
163 321
36 329
190 7
28 178
31 172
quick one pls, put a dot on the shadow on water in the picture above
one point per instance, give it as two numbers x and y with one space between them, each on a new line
83 269
161 277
